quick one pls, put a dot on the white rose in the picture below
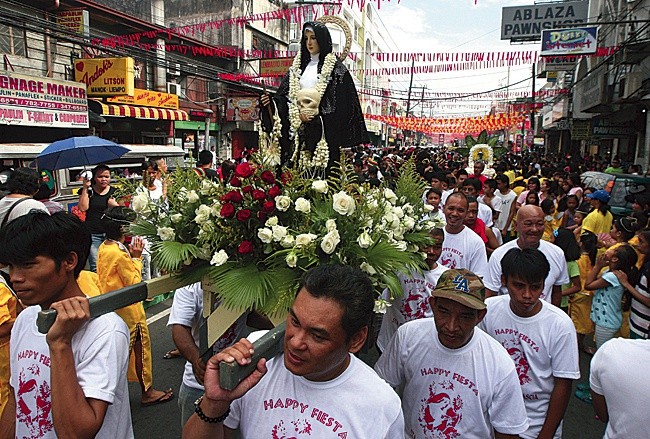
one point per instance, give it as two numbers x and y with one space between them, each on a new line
166 233
140 202
330 225
279 232
282 202
408 209
319 186
206 186
329 242
304 239
399 213
343 203
216 209
291 260
389 218
364 240
219 258
207 227
303 205
287 241
401 245
408 222
390 196
202 214
428 208
265 235
273 221
192 196
176 218
368 268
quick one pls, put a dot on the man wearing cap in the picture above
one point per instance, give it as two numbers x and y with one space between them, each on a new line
457 380
540 339
530 228
600 219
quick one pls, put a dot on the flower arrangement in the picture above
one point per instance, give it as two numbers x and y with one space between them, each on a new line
254 235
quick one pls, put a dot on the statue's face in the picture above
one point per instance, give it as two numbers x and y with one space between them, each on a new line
311 43
308 101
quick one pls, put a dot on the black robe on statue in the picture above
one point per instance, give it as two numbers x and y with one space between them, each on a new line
339 107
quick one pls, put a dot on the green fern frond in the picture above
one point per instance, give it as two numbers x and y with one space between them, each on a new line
410 184
169 255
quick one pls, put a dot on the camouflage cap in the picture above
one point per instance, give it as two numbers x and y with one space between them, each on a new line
462 286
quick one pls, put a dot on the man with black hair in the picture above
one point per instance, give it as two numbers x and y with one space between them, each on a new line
307 388
22 185
72 381
539 337
472 187
204 167
508 203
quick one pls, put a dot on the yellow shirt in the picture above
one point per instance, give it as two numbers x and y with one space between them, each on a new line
89 283
597 223
116 268
7 316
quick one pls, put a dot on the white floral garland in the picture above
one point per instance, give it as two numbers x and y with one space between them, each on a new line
321 154
270 142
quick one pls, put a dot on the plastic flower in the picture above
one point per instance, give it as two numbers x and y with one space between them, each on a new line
291 260
303 205
227 210
381 306
192 196
273 221
287 241
364 240
279 232
343 203
265 235
330 225
244 170
140 202
304 239
268 177
258 195
246 247
176 218
390 196
243 215
274 191
219 258
368 268
233 197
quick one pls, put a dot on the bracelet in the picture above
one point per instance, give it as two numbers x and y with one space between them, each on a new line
202 416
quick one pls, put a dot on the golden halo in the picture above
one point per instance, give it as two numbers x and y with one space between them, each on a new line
344 27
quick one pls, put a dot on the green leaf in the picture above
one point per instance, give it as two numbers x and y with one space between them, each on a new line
169 255
410 184
482 137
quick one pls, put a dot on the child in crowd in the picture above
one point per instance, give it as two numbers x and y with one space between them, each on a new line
581 212
640 307
580 302
490 199
568 219
567 242
551 219
433 197
414 304
118 267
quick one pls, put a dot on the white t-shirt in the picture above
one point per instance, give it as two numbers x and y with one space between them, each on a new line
559 275
485 214
543 347
101 357
21 209
464 250
187 310
619 372
445 195
453 393
413 305
507 201
356 404
496 204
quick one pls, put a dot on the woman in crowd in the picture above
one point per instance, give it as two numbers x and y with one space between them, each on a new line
95 196
532 186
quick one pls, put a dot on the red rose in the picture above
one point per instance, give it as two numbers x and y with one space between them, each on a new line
274 191
268 177
235 182
247 189
268 206
227 210
243 214
234 197
245 247
258 195
244 170
262 216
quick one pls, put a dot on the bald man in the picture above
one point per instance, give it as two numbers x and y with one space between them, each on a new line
530 227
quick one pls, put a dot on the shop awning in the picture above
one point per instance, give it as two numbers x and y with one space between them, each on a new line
122 110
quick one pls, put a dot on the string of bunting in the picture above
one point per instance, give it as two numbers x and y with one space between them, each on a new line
456 125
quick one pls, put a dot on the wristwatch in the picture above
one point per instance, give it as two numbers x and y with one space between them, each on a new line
202 416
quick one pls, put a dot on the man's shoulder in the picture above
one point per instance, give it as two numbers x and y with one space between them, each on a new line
551 249
501 250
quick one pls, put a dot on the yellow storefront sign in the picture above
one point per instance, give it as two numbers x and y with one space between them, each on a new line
275 66
148 98
106 76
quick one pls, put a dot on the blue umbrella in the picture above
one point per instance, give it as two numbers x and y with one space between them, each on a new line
79 151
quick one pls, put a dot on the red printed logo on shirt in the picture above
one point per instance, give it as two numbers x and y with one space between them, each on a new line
297 429
415 305
519 357
34 402
441 411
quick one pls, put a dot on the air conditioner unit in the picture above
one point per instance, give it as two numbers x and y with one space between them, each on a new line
174 69
633 84
174 88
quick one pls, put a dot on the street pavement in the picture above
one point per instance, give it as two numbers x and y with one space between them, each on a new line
163 420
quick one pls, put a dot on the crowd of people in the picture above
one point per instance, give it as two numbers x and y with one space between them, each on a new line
528 267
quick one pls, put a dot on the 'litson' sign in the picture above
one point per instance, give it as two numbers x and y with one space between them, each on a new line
106 76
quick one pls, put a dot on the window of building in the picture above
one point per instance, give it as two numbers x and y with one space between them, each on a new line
261 43
13 40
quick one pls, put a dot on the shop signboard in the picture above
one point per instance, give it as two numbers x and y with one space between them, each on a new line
526 23
275 66
581 129
74 20
43 102
590 91
147 98
609 129
243 109
570 41
106 77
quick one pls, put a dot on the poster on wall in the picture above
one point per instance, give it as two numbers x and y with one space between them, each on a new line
243 109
